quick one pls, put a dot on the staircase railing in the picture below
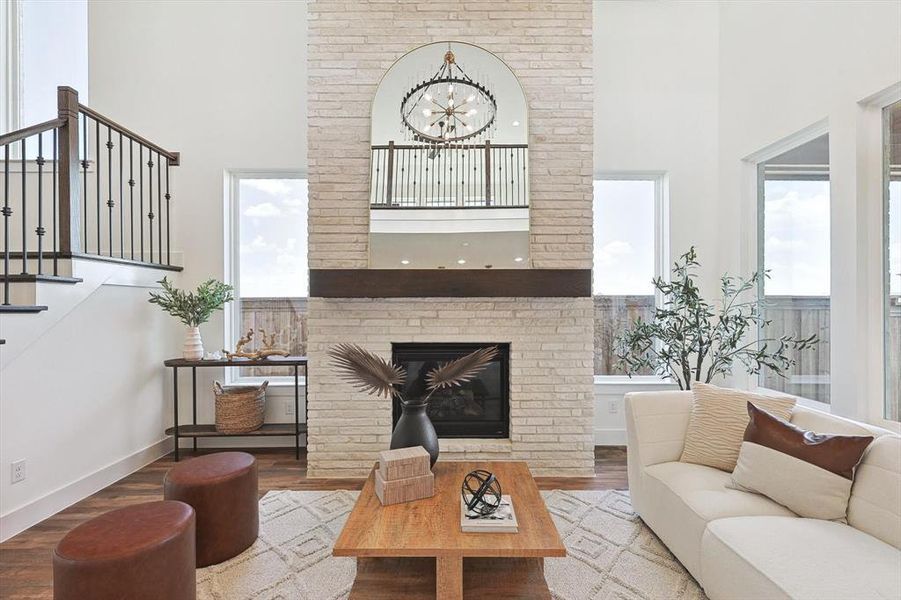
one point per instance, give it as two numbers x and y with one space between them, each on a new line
86 186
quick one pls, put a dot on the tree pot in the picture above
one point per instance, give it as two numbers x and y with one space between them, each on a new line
193 348
414 428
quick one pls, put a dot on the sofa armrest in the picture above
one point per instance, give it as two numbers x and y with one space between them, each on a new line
656 423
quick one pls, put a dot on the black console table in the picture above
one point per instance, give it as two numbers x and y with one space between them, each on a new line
268 429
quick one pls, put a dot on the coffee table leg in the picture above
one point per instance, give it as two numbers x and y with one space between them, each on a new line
449 577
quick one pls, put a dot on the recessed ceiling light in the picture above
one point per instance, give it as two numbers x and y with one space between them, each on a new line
518 259
405 262
461 261
465 244
516 123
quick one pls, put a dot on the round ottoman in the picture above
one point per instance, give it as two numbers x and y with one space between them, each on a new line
222 488
141 552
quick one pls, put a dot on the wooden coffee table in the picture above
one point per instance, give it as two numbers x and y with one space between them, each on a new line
416 549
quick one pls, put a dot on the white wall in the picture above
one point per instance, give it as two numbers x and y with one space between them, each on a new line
656 106
87 401
784 66
223 83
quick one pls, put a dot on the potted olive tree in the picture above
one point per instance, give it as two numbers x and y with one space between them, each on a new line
691 339
193 309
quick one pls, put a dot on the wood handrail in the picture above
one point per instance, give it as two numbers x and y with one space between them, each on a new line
106 121
21 134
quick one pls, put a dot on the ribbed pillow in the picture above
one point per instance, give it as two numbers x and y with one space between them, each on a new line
718 420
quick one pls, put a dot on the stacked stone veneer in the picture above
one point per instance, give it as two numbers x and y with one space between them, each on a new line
548 45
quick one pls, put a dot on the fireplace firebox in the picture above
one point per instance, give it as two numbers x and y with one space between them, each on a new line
479 408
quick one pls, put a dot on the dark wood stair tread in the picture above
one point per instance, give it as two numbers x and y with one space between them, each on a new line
14 308
28 278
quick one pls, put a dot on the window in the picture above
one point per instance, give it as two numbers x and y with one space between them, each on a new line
892 249
628 247
46 46
269 262
793 247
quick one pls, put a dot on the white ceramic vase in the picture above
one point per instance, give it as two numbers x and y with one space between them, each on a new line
193 348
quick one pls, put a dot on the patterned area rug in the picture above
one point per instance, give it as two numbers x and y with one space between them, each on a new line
612 554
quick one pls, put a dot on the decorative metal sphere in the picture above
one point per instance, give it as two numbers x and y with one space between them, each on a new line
481 492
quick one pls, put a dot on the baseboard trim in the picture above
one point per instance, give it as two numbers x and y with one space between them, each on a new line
609 437
20 519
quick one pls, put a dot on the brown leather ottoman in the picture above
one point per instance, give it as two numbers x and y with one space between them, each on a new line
222 488
141 552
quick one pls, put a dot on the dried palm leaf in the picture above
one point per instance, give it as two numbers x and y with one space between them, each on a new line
455 372
367 372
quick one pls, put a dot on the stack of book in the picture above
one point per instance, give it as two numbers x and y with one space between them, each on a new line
404 475
503 520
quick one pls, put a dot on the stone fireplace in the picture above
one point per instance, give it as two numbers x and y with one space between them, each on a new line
549 331
479 408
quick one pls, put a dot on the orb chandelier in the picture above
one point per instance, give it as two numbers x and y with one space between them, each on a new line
448 107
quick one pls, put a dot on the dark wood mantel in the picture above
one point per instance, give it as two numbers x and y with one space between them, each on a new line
449 283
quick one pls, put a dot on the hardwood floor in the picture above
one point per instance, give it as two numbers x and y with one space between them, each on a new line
25 571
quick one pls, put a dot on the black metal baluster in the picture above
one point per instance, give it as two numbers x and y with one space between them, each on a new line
141 195
24 227
159 206
168 211
97 150
7 213
55 228
150 199
121 204
84 169
516 172
131 196
109 184
510 173
39 230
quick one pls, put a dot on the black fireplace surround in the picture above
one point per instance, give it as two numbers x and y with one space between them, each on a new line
479 408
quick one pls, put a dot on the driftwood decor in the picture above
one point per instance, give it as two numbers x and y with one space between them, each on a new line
268 349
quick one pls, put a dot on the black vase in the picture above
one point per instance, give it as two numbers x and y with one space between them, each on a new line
414 428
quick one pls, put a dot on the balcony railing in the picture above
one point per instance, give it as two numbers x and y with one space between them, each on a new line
450 176
82 185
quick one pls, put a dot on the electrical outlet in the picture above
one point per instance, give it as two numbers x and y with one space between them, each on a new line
17 471
289 408
613 407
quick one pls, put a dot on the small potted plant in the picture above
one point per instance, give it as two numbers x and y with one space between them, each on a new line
193 309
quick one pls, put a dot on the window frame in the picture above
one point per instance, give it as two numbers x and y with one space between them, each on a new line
753 164
886 239
661 255
278 385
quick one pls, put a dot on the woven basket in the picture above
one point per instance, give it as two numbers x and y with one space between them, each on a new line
240 409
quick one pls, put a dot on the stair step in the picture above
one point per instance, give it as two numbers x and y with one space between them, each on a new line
33 278
14 308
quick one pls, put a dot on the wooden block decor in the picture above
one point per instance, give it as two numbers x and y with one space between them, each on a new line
403 463
394 491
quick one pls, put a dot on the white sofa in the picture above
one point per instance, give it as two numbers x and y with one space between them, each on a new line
740 545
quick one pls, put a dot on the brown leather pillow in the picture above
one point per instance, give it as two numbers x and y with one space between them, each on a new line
839 454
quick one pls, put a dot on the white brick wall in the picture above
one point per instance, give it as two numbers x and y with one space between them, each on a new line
548 45
551 374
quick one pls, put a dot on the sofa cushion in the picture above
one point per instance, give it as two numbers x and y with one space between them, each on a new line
875 504
681 498
779 557
718 420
